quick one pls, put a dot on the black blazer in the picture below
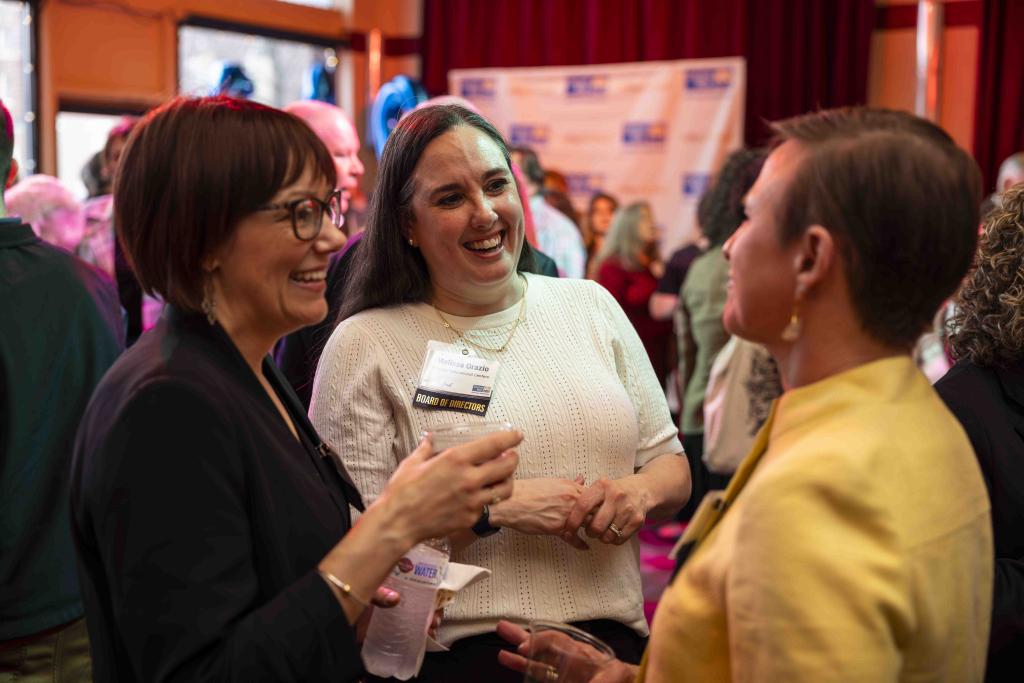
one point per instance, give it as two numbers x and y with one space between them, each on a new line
989 403
199 520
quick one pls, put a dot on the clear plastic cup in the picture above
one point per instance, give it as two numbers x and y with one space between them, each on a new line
451 435
564 654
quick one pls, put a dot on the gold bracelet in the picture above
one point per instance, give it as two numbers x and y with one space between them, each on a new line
345 589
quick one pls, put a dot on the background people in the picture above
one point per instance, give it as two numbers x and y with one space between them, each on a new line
557 235
700 332
211 525
985 391
629 267
600 213
445 261
61 330
50 208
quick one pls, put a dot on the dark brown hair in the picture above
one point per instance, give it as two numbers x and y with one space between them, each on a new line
6 143
720 211
988 327
192 169
389 271
902 201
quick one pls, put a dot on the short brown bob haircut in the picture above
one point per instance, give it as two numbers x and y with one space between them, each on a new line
192 169
902 201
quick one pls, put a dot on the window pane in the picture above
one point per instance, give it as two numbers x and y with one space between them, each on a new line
16 78
79 136
279 69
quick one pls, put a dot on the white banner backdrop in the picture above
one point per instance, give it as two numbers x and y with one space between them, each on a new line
650 131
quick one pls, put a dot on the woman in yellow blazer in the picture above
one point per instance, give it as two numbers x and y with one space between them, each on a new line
854 543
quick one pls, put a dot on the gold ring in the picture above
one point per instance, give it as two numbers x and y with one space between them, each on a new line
615 530
550 674
496 499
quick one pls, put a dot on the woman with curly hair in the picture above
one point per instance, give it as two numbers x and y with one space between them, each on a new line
985 390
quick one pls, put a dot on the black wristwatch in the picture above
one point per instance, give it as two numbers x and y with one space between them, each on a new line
483 527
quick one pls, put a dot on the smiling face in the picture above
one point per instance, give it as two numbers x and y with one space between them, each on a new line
265 278
465 216
763 272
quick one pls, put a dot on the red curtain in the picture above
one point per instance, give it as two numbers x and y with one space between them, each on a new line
999 109
801 54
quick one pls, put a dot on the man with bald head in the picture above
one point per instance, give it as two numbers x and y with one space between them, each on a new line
298 353
336 131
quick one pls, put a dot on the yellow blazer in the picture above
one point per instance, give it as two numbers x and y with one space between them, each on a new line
858 549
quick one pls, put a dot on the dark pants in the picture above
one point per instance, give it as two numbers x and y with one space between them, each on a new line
59 655
703 480
476 658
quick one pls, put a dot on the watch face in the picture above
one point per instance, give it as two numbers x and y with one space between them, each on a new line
483 527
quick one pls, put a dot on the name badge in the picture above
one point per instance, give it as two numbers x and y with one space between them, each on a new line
452 379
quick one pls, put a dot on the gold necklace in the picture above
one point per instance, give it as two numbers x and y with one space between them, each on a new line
466 340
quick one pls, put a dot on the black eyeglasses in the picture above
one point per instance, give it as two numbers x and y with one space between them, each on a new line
308 214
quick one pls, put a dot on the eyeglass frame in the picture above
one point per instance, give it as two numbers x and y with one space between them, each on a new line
325 207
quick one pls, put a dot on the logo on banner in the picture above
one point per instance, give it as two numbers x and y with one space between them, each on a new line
478 87
695 184
584 183
529 134
644 133
716 79
586 86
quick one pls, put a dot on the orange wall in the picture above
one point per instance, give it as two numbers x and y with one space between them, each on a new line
122 54
892 74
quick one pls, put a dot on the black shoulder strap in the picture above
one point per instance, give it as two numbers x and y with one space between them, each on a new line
328 459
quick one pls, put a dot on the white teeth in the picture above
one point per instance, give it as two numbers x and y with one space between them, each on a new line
310 276
485 244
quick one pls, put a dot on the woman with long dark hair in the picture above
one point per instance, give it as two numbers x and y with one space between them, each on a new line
445 280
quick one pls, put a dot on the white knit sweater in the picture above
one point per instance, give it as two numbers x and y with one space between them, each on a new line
575 380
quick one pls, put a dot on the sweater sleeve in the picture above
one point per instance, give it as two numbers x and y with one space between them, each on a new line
351 411
817 589
658 434
176 547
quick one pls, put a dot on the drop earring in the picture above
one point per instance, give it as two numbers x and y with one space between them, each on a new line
791 332
209 305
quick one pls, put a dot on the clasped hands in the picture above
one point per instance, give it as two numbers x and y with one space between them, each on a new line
609 510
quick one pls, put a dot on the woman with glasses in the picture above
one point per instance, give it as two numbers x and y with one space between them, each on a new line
212 527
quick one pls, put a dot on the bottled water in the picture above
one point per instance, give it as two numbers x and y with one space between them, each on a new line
396 637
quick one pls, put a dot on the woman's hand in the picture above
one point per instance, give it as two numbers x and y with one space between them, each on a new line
610 504
605 672
540 507
436 495
428 496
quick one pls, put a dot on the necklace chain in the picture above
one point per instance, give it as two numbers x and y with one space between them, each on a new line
480 347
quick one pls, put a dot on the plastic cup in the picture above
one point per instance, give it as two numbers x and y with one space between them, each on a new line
451 435
560 653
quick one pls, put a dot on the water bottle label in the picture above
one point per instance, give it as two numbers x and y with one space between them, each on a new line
425 572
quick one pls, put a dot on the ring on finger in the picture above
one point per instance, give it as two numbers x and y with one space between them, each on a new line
615 530
496 499
550 674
